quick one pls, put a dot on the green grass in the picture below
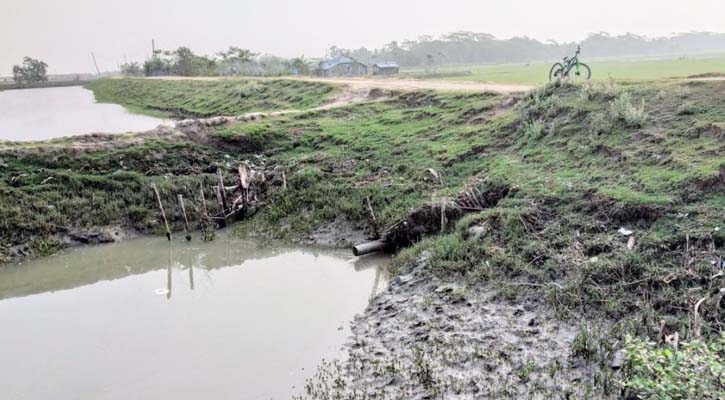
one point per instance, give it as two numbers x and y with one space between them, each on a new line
97 189
694 372
198 98
538 73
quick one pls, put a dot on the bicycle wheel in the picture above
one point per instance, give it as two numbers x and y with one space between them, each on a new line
581 74
556 72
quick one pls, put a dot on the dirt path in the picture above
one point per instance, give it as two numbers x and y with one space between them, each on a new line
393 83
708 79
417 84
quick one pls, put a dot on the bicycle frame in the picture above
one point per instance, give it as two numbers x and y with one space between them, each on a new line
571 63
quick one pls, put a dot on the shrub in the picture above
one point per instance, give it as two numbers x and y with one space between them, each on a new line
584 344
248 89
137 214
687 108
533 130
602 90
696 371
622 109
600 123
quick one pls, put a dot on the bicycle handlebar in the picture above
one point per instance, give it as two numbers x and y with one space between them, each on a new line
578 50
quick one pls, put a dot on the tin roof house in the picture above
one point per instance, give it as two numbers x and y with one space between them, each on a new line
386 68
341 66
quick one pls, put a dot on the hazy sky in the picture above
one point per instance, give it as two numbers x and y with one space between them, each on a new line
64 32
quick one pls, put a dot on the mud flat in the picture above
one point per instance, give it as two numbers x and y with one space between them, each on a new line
448 338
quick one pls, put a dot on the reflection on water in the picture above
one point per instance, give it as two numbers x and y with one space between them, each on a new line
148 319
38 114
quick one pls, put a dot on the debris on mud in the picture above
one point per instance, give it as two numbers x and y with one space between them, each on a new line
429 337
433 218
341 232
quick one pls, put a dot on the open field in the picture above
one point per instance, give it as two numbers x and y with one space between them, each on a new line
538 73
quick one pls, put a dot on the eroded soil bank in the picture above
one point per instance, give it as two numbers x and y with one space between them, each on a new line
612 241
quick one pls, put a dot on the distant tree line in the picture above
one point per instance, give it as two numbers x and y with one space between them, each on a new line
30 71
479 48
233 61
453 48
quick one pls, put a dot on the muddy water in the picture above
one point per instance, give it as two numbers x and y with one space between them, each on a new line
38 114
230 319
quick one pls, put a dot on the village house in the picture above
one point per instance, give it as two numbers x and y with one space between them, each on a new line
341 66
386 68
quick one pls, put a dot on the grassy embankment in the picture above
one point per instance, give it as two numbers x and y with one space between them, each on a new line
50 84
198 99
538 72
55 187
588 161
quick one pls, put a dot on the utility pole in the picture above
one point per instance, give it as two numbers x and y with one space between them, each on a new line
153 48
96 64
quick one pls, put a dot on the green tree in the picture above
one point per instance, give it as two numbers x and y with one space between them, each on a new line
300 65
236 54
31 71
131 69
186 63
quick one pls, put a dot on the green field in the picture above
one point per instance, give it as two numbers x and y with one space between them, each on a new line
535 73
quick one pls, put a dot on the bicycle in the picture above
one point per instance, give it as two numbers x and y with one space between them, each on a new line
580 70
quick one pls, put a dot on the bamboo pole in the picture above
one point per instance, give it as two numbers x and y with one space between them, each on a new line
204 209
243 176
372 215
186 220
222 196
222 190
222 220
163 213
244 183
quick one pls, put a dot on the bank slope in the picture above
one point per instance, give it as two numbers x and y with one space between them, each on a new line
188 98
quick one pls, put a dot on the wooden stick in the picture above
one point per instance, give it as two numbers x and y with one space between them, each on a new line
203 199
243 176
222 190
163 213
372 215
443 215
186 220
284 182
222 222
244 183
